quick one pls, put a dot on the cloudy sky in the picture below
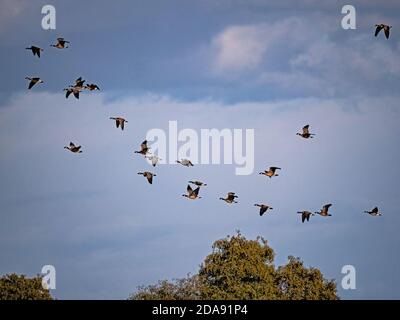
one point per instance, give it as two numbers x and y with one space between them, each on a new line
255 64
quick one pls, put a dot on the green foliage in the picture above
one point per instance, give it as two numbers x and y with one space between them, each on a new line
15 287
296 282
180 289
243 269
239 269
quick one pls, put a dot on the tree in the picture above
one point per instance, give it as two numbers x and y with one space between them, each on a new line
19 287
243 269
296 282
179 289
239 269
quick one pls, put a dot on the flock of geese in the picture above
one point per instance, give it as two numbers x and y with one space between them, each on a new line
193 188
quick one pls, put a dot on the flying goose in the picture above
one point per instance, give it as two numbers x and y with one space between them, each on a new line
306 133
79 83
73 148
92 87
271 172
263 208
60 44
74 90
374 212
324 211
119 122
148 175
185 162
33 81
385 28
192 194
305 215
35 50
144 149
154 159
198 183
230 198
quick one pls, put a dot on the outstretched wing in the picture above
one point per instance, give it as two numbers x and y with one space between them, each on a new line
196 191
378 29
326 207
122 124
31 84
76 94
387 32
375 210
305 129
189 189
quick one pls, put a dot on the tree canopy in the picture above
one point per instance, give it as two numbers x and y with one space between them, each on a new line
19 287
242 269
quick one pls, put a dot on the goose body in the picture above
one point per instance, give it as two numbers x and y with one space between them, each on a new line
271 172
153 159
144 149
192 194
119 122
185 162
306 133
73 148
385 27
324 211
92 87
33 81
60 44
148 175
35 50
74 90
263 208
374 212
305 215
230 198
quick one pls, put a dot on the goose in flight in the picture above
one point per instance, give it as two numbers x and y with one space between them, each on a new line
74 90
374 212
305 215
92 87
385 27
33 81
324 211
185 162
148 175
263 208
198 183
144 149
79 83
60 44
153 159
230 198
271 172
192 194
35 50
306 133
73 148
119 122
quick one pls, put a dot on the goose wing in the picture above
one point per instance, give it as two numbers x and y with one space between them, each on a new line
386 29
326 207
189 189
378 29
306 129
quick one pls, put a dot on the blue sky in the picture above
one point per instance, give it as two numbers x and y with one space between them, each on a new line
269 66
